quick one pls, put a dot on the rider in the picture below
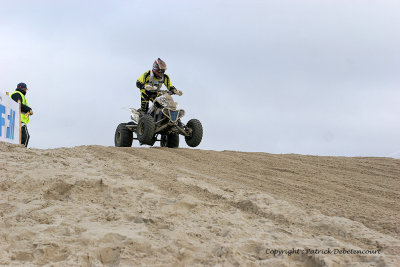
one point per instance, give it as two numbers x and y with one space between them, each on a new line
151 80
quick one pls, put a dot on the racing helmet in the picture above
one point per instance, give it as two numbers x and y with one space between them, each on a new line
159 68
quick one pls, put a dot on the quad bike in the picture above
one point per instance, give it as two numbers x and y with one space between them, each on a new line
163 120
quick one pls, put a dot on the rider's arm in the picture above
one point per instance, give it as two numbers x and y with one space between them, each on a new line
141 82
168 84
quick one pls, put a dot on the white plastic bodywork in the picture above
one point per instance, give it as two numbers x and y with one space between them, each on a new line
164 99
134 115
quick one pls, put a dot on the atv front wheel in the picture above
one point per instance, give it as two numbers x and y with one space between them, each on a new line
123 136
170 140
195 137
145 130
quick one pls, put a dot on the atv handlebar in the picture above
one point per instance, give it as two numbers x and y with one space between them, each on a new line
158 91
166 91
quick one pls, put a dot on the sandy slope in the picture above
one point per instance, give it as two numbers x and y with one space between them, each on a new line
106 206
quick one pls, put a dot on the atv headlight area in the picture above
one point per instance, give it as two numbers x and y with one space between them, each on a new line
173 115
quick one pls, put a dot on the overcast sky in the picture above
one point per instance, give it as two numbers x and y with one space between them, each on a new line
309 77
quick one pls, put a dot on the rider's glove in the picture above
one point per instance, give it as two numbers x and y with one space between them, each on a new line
177 92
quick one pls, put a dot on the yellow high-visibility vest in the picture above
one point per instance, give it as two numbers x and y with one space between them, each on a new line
24 118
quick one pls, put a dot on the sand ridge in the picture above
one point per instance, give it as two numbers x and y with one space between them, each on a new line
107 206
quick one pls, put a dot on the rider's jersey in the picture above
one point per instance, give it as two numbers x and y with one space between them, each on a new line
148 78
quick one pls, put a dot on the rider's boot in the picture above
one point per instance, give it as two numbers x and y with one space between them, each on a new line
144 106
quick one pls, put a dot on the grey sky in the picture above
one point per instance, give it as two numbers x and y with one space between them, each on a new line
308 77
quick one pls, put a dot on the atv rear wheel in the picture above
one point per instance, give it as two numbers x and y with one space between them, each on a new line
145 130
123 136
194 139
170 140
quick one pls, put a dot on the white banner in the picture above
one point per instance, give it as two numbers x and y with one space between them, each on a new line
9 120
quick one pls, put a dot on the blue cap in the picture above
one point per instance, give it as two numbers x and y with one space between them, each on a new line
21 85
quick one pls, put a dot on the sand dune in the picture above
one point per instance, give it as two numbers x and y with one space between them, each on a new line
107 206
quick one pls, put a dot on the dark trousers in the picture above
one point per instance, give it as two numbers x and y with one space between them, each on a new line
24 135
145 98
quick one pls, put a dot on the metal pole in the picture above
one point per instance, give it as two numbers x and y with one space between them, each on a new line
20 126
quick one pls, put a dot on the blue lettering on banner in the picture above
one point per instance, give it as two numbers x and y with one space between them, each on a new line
8 121
10 129
2 121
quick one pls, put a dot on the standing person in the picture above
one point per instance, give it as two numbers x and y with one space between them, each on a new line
19 95
154 78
